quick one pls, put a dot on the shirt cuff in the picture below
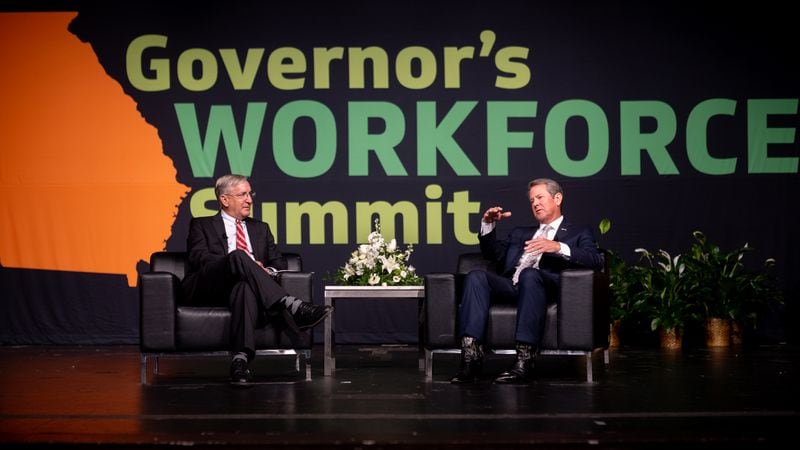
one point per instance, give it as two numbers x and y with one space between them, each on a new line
486 228
565 251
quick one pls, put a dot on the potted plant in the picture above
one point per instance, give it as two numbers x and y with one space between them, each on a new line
724 291
759 291
621 285
620 288
663 295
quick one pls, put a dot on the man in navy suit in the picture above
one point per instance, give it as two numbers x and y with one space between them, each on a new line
529 264
229 257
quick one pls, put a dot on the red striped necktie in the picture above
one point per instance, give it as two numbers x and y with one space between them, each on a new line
241 241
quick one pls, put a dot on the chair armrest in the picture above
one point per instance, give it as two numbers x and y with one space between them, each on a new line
158 296
583 310
298 284
440 310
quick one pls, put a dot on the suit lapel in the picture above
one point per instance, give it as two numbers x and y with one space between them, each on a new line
219 231
254 238
563 232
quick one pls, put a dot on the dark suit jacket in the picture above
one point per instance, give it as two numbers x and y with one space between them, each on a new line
506 253
207 246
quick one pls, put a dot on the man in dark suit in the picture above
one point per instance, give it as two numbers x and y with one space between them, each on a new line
529 265
230 260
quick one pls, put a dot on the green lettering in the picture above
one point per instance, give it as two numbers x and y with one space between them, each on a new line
759 136
633 141
203 153
432 137
283 139
383 144
697 137
555 136
500 139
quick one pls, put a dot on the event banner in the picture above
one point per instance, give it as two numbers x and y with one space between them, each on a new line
117 117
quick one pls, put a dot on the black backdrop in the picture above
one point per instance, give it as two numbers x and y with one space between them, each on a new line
611 56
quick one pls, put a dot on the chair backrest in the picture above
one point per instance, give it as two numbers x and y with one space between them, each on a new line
294 262
472 261
172 262
175 262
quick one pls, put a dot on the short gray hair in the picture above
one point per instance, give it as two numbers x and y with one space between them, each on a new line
552 186
225 182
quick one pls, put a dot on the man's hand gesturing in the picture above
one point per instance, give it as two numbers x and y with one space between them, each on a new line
495 214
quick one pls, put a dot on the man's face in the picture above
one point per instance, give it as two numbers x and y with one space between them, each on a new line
545 207
237 201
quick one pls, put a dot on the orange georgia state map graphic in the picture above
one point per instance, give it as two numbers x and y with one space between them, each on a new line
85 184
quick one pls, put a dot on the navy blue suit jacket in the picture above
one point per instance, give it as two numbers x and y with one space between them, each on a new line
506 253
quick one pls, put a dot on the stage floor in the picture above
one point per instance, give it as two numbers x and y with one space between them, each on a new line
378 398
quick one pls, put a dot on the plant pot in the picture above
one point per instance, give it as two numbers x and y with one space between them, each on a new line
613 333
718 332
737 332
670 338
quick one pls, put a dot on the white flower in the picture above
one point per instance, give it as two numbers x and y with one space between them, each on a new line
371 260
374 279
389 264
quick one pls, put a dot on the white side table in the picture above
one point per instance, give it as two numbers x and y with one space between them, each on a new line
333 293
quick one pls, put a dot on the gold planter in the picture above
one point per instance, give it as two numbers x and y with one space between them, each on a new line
613 333
671 338
718 332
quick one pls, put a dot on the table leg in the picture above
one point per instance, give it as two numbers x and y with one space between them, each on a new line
329 361
420 334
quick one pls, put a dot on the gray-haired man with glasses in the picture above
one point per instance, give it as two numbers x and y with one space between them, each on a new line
229 254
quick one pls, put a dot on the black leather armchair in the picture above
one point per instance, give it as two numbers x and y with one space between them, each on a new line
577 324
170 328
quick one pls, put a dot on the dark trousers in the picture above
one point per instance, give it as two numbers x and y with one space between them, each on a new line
252 295
481 288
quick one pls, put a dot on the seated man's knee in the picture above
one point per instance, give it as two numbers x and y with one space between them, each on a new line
475 278
238 260
238 255
530 277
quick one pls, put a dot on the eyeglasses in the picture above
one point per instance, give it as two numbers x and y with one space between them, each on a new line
242 195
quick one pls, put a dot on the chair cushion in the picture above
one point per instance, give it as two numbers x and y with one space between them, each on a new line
208 328
503 323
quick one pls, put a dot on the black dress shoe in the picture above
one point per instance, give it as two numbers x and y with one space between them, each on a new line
309 315
520 373
468 372
240 373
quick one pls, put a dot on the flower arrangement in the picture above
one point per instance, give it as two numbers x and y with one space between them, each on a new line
378 263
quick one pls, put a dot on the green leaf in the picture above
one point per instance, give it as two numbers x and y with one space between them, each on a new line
604 226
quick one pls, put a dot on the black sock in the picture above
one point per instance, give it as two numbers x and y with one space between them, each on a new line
291 303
